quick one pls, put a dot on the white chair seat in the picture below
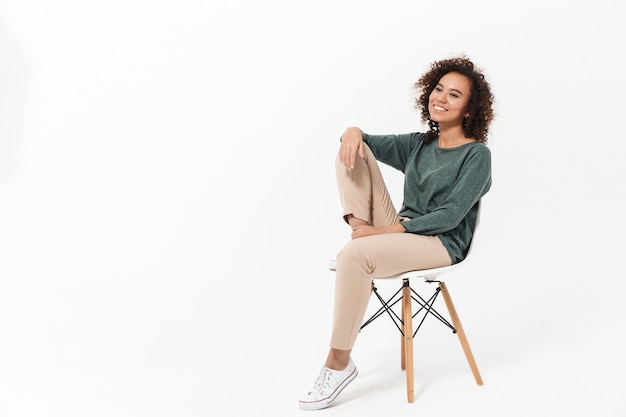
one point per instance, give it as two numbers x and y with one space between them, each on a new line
426 274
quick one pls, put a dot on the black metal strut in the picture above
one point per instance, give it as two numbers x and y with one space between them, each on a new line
425 307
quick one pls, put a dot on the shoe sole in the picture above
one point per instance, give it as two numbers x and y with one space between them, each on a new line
323 403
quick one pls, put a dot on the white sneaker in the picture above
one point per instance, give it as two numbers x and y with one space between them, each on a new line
327 386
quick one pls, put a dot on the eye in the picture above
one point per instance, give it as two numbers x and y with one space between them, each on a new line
455 95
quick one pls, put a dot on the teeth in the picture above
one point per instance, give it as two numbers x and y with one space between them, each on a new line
439 108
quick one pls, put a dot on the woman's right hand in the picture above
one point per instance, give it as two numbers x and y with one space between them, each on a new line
351 144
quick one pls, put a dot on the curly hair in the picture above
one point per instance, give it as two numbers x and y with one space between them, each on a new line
479 107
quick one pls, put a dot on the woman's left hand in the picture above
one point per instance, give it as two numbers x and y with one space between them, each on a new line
363 230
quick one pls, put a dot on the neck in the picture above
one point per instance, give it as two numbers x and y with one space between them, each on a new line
452 136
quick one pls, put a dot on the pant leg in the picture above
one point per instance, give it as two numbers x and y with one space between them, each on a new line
363 193
380 256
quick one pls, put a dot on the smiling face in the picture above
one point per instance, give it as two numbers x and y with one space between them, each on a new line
447 103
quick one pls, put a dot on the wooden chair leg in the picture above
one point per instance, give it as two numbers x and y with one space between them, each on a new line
402 343
461 333
407 345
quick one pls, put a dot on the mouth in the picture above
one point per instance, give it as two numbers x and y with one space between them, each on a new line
438 108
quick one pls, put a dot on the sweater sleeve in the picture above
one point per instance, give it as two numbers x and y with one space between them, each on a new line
392 150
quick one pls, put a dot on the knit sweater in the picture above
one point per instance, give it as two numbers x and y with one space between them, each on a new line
442 186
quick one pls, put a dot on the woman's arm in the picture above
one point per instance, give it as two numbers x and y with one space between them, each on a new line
367 230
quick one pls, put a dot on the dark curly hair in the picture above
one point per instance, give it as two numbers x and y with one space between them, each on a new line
479 107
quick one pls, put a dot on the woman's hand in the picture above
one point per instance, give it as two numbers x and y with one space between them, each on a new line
351 144
362 231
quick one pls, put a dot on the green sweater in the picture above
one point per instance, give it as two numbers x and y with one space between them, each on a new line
442 186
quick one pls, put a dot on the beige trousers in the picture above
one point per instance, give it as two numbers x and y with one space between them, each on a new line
363 193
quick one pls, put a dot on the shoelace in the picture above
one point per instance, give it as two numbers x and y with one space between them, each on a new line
322 379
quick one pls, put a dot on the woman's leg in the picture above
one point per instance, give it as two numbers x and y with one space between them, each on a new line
365 200
363 193
380 256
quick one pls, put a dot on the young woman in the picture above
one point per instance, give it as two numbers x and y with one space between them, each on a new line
447 170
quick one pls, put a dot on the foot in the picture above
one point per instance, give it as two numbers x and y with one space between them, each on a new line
327 387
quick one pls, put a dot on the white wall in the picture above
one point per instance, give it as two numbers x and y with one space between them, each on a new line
164 162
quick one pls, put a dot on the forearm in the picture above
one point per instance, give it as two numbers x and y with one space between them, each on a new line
367 230
392 228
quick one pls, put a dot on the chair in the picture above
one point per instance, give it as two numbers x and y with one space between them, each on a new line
407 296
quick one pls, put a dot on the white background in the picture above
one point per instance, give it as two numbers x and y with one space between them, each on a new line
168 205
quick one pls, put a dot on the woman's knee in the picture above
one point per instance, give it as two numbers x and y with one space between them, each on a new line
355 255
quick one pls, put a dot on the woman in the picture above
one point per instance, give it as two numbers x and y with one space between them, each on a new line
446 172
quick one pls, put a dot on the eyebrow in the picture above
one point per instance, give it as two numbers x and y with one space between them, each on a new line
453 89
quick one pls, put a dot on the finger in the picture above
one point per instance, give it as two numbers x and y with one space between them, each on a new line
346 156
351 157
348 160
